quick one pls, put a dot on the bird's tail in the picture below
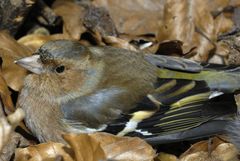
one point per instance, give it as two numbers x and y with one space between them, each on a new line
184 116
227 122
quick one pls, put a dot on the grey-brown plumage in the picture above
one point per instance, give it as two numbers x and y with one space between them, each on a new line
86 89
93 73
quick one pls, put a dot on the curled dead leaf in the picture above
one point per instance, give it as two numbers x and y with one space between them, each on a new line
217 5
5 95
97 19
72 15
90 147
44 152
34 41
166 157
221 54
226 152
5 132
124 148
7 125
199 156
184 15
138 17
119 43
215 149
222 24
85 147
203 146
15 118
10 51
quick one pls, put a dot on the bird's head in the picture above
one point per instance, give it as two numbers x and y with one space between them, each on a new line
63 66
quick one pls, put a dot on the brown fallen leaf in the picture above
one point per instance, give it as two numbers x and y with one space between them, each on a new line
222 24
72 15
124 148
119 43
10 51
34 41
85 147
198 156
186 16
7 101
6 95
226 152
217 5
49 151
215 149
221 55
205 145
7 125
234 2
90 147
97 19
138 17
166 157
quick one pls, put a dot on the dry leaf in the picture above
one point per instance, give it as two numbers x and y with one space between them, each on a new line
222 24
34 41
124 148
138 16
44 152
214 149
221 54
234 3
97 19
85 147
90 147
10 51
72 15
7 125
198 156
5 132
205 145
226 152
217 5
186 16
119 43
5 95
166 157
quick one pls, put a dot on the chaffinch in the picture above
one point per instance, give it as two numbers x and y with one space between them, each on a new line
80 89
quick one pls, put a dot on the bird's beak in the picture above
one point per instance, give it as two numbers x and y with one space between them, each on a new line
31 63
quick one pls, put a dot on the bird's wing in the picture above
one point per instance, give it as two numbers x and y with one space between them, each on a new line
174 63
220 78
177 105
185 97
186 65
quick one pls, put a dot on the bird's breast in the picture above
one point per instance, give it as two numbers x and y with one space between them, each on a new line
42 117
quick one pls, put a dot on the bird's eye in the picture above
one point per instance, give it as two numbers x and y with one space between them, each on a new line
60 69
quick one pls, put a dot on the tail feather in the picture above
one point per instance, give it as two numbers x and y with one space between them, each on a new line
205 130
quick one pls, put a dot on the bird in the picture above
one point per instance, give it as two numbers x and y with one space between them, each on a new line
73 88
